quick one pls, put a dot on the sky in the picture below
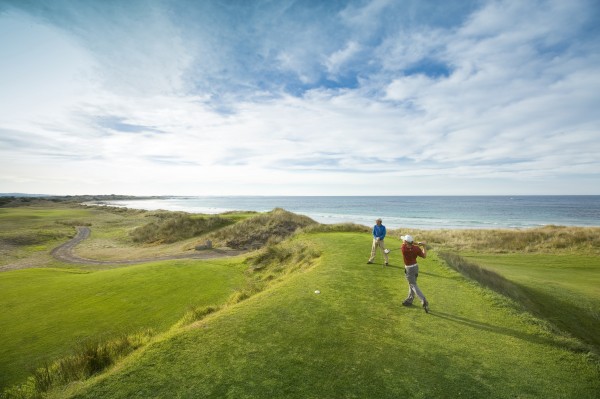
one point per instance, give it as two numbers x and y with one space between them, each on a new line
283 97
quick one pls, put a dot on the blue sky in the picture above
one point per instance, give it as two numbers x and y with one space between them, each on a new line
381 97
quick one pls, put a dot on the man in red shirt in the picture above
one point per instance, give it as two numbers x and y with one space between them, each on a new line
410 252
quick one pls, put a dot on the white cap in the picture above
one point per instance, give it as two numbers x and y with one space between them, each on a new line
407 238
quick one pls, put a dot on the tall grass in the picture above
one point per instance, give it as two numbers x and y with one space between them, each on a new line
547 239
336 228
195 314
89 359
255 232
272 263
171 227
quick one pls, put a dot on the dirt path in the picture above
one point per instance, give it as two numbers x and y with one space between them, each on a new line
65 253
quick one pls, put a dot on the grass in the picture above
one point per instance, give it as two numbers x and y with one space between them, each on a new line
356 340
255 232
48 312
28 233
560 288
253 326
177 226
547 239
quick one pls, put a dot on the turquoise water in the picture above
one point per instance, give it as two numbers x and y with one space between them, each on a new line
429 212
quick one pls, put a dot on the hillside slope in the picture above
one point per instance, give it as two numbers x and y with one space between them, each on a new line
354 339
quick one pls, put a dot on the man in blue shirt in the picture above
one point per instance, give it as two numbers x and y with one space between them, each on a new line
378 236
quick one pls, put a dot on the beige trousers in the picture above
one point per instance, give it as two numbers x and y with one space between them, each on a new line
378 243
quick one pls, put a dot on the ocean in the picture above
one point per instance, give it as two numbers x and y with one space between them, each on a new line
418 212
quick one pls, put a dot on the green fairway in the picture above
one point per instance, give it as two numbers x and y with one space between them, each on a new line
47 312
564 288
355 340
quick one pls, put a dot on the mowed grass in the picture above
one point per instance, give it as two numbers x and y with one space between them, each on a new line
46 313
564 289
355 340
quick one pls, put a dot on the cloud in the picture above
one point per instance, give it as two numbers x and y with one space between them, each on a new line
292 96
121 124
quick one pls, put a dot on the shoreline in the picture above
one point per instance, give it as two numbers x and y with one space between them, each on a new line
328 210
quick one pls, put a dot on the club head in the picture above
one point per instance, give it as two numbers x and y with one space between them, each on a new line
387 251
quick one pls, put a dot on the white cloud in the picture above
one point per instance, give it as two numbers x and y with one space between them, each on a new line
505 96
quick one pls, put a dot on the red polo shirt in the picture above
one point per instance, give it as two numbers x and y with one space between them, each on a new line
410 254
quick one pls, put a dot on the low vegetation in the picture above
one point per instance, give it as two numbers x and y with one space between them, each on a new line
89 359
255 232
336 228
176 226
547 239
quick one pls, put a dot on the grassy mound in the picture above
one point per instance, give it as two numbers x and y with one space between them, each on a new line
176 226
257 231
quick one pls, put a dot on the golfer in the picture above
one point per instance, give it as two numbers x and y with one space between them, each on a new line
378 236
410 252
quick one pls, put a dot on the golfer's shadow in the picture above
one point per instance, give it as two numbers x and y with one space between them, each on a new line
493 329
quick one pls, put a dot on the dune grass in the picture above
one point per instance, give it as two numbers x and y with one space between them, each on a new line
354 339
255 232
547 239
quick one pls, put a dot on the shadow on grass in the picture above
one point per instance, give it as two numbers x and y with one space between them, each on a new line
561 315
536 339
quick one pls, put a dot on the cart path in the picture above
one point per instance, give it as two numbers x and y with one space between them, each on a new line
65 253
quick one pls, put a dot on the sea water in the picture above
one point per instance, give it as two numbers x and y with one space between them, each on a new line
419 212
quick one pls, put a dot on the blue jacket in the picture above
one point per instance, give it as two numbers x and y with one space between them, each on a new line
379 231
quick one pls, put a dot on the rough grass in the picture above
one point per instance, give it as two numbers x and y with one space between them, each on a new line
273 262
547 239
176 226
90 358
257 231
336 228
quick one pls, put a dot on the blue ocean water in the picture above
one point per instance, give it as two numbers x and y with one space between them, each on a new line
419 212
